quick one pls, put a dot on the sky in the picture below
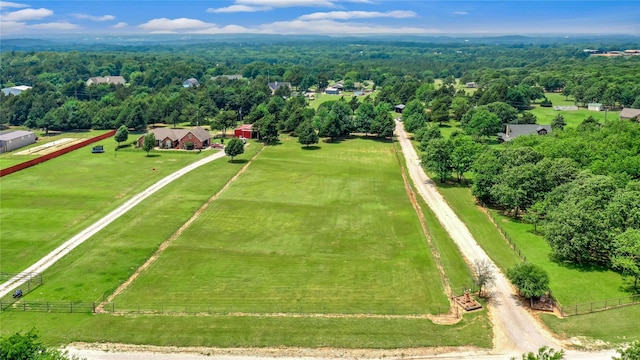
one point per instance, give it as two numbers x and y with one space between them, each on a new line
320 17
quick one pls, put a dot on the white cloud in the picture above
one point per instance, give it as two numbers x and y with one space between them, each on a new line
95 18
345 15
27 14
54 26
8 27
460 13
169 25
8 4
287 3
237 8
330 27
120 25
229 29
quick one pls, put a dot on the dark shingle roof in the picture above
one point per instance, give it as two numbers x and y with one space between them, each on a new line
515 130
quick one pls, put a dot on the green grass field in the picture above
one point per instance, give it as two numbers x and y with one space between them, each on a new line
327 230
250 331
573 118
102 263
107 259
47 204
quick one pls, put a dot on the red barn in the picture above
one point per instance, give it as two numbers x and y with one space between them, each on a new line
245 131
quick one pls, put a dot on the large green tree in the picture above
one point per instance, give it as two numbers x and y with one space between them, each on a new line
437 158
307 134
234 148
122 134
626 254
531 280
149 142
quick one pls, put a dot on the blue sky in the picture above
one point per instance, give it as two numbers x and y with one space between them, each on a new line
320 17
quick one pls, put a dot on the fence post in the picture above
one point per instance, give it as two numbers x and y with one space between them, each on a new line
576 309
113 307
24 306
47 306
94 307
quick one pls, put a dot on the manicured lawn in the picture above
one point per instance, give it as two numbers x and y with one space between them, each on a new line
271 185
573 118
223 331
326 230
103 262
485 233
47 204
614 326
571 284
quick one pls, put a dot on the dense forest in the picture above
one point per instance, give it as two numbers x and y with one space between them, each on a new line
580 185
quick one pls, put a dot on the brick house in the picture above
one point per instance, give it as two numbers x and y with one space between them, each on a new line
167 138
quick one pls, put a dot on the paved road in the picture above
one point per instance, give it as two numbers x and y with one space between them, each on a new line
514 328
55 255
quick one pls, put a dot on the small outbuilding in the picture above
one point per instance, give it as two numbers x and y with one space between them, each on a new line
630 114
11 140
245 131
594 107
332 91
399 108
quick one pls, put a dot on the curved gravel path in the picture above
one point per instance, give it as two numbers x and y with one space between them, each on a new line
514 328
55 255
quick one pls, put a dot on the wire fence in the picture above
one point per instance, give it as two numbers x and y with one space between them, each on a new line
504 234
600 305
167 308
29 281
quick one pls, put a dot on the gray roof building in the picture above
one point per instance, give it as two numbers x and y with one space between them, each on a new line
11 140
512 131
116 80
630 113
278 84
15 90
191 82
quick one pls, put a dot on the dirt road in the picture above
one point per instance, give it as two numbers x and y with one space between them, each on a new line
55 255
514 328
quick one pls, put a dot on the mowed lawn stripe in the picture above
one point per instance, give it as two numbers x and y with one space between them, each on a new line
99 265
45 205
321 229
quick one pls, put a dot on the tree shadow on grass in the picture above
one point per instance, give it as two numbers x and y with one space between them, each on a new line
311 148
153 155
238 161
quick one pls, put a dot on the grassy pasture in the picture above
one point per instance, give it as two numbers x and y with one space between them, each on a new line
107 259
327 230
569 284
101 263
47 204
573 118
250 331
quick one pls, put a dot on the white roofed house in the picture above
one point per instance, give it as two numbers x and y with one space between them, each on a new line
15 90
115 80
191 82
274 86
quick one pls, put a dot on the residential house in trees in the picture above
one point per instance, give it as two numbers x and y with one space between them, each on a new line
399 108
168 138
332 91
15 90
630 114
115 80
472 85
274 86
512 131
191 82
228 77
